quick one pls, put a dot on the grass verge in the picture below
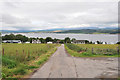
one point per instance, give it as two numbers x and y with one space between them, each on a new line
19 63
77 51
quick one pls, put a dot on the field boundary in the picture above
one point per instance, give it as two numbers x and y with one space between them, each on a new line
76 54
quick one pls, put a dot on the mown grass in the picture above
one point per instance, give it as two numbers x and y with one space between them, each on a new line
19 60
92 50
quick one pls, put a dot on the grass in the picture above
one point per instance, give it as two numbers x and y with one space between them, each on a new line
92 50
19 60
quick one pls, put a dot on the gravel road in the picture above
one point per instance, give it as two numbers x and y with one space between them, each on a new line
60 65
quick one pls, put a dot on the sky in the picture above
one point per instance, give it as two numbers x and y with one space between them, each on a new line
50 14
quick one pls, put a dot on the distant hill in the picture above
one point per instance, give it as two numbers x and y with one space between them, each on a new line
92 31
86 30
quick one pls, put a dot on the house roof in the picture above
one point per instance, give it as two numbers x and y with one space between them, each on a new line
79 40
11 40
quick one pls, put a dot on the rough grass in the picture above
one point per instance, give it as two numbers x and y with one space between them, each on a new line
22 59
92 50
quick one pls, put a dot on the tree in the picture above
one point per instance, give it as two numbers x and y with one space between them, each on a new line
73 39
30 39
48 39
105 42
91 42
42 40
22 38
9 37
62 41
86 42
55 40
99 42
118 43
67 40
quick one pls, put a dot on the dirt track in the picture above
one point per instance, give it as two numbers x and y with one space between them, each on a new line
61 65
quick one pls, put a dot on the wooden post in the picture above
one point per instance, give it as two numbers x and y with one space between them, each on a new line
23 51
107 50
23 54
118 50
48 46
3 51
86 49
16 52
92 51
28 54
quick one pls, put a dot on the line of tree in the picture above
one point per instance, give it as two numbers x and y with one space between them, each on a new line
47 39
15 37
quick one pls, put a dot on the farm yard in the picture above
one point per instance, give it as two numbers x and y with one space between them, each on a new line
19 60
93 50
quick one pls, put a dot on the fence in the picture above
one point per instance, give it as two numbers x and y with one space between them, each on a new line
95 49
102 51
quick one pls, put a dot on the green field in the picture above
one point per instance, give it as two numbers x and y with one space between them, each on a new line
19 60
92 50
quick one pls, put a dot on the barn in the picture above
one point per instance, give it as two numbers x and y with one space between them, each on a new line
11 41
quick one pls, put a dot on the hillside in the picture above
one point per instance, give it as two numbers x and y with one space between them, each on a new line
92 31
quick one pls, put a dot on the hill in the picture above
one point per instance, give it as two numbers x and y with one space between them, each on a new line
92 31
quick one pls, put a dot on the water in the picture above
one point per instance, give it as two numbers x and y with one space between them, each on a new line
109 38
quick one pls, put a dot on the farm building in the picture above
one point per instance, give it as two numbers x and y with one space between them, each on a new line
49 42
12 41
27 42
79 41
58 41
36 41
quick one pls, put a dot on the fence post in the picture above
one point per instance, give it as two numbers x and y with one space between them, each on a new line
86 49
23 51
92 51
23 54
16 52
28 54
107 50
3 51
118 50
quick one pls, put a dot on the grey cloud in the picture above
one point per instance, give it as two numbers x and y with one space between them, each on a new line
44 15
9 19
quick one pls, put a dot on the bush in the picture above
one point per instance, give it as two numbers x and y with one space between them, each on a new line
74 47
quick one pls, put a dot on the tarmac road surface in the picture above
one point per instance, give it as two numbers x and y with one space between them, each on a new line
61 65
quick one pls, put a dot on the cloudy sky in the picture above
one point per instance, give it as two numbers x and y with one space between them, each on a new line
38 15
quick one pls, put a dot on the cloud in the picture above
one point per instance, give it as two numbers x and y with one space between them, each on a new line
10 19
47 15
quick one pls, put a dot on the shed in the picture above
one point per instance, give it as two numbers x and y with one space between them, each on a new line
79 41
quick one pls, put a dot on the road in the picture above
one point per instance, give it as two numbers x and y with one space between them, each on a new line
61 65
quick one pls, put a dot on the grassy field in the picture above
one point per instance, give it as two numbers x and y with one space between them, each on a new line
92 50
19 60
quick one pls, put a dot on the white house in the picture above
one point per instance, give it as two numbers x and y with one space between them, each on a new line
49 42
96 43
36 41
27 42
104 42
